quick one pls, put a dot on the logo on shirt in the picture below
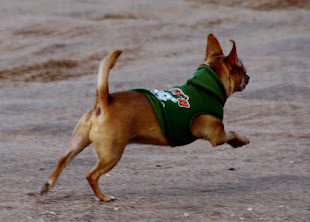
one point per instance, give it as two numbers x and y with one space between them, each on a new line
181 98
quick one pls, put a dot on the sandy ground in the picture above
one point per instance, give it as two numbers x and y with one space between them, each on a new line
50 51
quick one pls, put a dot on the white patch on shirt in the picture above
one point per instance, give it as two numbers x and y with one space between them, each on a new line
163 96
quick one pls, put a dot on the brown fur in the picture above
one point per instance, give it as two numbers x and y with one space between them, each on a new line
128 117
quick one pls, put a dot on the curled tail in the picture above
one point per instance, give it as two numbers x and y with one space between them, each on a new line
103 73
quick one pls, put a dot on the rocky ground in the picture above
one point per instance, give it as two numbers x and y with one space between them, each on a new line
48 63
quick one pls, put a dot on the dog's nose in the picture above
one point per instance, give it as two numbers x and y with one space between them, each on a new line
246 79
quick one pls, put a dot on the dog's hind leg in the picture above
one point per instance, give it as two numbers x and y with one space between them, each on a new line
109 153
79 141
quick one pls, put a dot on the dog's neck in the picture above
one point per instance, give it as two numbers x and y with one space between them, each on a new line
228 89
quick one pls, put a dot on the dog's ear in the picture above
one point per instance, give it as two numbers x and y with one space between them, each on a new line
213 47
232 58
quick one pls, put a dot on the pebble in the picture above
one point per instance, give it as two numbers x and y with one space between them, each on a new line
116 208
250 209
186 215
51 213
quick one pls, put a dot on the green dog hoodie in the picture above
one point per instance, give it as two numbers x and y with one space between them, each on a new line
203 93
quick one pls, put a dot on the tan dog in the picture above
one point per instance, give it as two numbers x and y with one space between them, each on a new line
128 117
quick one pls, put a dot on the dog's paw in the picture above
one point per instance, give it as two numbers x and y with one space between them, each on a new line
237 141
45 188
106 198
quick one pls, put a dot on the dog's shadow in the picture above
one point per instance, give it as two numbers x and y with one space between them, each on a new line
269 184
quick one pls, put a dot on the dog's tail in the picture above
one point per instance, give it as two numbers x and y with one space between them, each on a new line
103 73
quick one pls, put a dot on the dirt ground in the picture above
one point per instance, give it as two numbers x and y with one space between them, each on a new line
50 51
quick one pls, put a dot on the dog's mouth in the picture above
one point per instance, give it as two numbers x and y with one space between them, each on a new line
244 82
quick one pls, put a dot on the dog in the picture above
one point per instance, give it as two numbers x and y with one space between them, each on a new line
131 116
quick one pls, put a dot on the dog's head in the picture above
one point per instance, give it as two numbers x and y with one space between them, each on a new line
229 68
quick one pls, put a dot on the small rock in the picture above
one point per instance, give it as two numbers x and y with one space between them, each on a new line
186 215
250 209
51 213
158 165
116 208
231 168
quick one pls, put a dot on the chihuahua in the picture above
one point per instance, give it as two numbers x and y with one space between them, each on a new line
172 117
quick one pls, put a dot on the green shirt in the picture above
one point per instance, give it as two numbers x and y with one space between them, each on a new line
203 93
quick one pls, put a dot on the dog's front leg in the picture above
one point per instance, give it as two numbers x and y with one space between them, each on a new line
210 128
